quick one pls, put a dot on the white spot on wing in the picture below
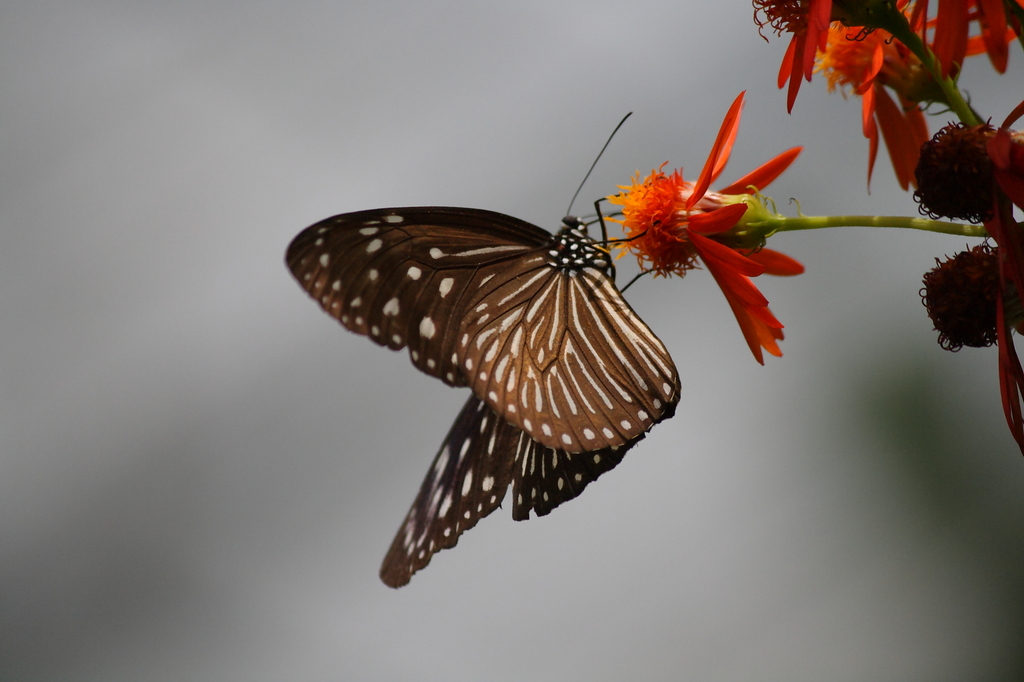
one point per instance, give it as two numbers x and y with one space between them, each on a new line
427 328
325 259
445 286
391 307
367 231
374 245
436 253
414 272
393 218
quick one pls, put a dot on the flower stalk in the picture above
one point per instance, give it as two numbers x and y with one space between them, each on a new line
896 23
781 223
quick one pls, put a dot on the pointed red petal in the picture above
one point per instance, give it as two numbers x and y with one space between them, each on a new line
1011 377
993 32
763 175
722 147
756 333
1012 185
716 221
872 135
899 138
950 42
818 19
794 71
778 264
716 254
786 68
877 60
1017 112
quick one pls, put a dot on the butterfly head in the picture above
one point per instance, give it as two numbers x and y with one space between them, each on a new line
571 222
573 249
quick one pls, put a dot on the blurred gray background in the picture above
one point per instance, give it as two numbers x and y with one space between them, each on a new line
200 472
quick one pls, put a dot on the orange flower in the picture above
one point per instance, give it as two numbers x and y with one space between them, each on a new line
868 61
672 224
808 21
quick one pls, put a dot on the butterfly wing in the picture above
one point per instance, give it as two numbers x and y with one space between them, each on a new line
531 321
469 477
390 274
543 478
560 354
467 481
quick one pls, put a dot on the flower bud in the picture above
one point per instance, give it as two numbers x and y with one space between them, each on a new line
954 174
961 294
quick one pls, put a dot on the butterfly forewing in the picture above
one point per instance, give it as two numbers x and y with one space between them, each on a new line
400 275
561 355
468 480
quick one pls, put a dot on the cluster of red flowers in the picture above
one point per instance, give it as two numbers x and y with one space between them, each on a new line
876 46
899 58
852 43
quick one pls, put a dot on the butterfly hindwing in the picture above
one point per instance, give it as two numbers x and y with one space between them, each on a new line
481 455
543 478
467 481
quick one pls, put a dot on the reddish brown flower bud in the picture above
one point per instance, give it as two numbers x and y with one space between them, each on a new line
961 294
954 174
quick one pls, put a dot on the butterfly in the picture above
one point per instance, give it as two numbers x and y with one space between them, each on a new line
565 377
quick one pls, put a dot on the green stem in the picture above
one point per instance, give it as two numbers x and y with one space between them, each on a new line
784 224
897 24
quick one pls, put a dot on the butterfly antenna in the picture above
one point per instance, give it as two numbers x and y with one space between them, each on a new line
585 177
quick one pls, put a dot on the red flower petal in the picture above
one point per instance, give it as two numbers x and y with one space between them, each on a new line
993 31
1008 161
1018 110
819 17
900 137
950 43
719 151
1011 377
795 70
719 220
711 251
763 175
775 263
757 334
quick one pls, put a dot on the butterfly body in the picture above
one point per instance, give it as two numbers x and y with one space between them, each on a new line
562 370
